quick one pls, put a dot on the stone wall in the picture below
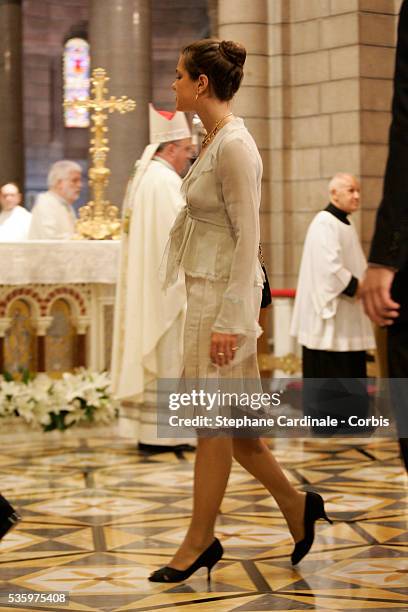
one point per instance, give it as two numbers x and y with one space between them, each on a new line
316 96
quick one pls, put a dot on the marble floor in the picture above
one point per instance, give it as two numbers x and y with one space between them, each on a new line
99 516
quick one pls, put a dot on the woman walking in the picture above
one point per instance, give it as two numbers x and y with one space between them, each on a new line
215 240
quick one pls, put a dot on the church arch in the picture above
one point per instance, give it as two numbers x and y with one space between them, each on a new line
71 296
28 295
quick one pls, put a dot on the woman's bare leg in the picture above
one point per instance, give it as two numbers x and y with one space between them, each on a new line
211 472
254 455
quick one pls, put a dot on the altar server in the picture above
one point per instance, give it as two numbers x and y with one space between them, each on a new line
328 320
14 219
53 216
148 328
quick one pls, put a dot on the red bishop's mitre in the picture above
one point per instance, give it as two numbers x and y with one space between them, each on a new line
166 126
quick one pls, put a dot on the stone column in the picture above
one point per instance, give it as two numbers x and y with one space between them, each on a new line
120 40
331 99
247 23
43 323
212 10
82 325
11 98
378 30
5 323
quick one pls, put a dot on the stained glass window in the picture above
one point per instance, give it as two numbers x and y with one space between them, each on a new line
76 80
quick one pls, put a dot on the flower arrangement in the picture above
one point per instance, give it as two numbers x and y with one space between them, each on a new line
76 398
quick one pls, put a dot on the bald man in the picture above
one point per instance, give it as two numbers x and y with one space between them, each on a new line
14 219
328 320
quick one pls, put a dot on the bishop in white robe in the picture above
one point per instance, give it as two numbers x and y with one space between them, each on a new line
149 322
328 319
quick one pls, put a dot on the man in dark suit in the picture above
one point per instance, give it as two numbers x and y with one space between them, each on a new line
385 288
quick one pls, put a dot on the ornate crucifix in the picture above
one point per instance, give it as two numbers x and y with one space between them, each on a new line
98 220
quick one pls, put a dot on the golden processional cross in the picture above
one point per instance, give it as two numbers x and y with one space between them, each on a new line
98 220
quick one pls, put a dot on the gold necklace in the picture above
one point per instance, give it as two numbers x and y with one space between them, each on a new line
209 137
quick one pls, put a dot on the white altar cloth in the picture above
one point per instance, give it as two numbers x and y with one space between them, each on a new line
59 261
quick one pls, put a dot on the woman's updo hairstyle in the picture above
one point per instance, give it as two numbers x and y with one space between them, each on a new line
221 61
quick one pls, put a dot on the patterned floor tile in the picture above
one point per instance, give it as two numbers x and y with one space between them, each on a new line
99 517
106 580
379 572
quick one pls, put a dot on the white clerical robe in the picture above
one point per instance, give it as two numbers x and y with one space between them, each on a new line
323 317
148 328
52 218
14 224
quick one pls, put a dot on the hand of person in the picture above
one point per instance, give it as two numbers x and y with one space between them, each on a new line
223 348
376 296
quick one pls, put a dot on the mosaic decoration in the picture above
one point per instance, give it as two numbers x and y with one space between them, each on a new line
60 339
20 339
99 517
58 310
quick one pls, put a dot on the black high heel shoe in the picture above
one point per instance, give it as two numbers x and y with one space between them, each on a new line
8 517
314 510
207 559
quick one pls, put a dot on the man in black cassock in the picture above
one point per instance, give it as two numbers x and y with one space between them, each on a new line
385 289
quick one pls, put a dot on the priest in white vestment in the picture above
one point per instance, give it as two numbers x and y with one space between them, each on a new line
53 216
149 323
328 319
14 219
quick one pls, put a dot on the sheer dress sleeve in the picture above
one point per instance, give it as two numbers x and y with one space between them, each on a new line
239 173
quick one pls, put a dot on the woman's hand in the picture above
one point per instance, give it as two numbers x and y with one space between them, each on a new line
223 347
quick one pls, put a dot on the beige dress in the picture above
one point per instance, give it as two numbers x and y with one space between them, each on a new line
215 241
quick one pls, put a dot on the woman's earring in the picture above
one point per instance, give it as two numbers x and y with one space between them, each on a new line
196 96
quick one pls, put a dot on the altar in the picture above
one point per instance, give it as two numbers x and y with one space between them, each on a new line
56 304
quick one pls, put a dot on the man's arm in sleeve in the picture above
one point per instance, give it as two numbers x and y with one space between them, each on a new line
389 248
390 242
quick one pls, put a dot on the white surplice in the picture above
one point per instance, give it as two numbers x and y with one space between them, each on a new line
324 318
149 323
52 218
14 224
